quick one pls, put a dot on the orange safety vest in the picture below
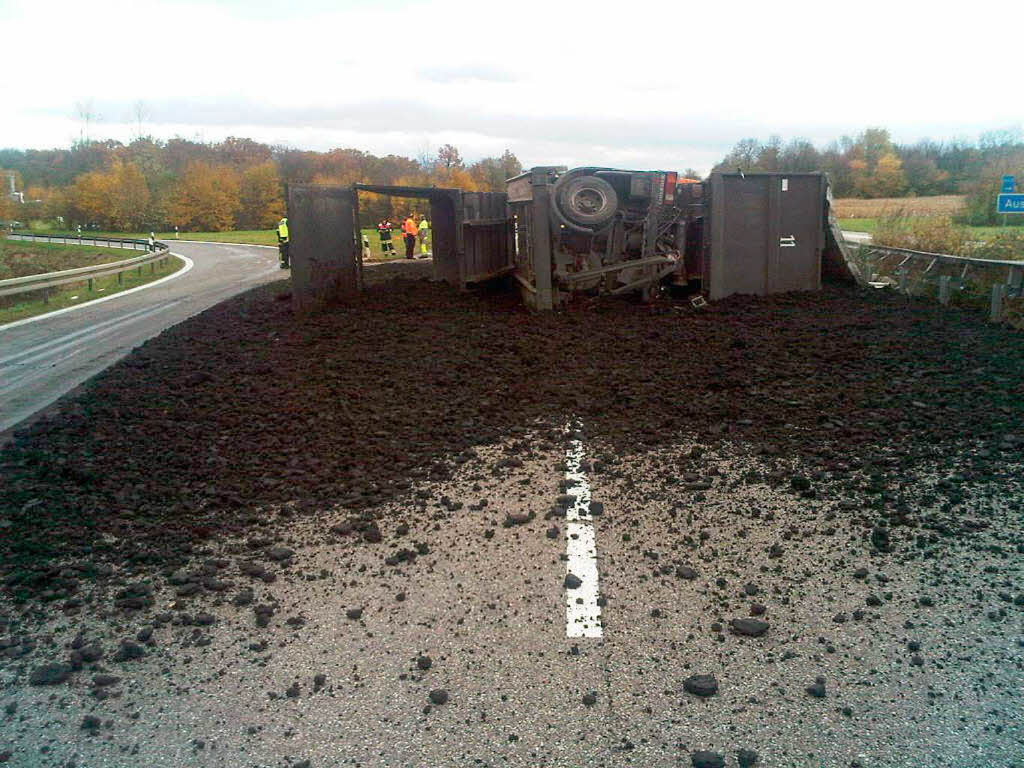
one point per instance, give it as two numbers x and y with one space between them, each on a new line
410 227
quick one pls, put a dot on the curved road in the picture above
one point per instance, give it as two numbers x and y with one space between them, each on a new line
44 359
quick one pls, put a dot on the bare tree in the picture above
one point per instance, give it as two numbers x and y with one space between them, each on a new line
141 114
86 111
424 158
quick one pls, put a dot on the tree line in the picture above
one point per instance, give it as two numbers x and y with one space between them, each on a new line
238 183
234 184
872 165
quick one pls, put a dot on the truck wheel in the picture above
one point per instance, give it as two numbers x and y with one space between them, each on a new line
587 200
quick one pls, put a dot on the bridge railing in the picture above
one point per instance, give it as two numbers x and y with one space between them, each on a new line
159 253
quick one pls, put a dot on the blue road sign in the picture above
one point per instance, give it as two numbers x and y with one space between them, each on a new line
1009 185
1007 203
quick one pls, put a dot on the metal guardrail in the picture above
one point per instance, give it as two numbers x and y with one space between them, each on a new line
915 272
16 285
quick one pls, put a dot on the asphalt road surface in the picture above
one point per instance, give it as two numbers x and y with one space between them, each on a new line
470 645
44 359
857 238
548 575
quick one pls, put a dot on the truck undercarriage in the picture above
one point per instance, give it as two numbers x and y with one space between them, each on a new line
613 231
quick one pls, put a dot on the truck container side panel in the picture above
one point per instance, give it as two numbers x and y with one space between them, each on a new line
443 237
740 231
767 233
801 233
324 254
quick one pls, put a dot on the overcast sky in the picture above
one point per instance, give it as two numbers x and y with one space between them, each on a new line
638 83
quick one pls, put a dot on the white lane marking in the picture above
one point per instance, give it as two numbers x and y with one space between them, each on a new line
33 352
188 266
70 346
582 612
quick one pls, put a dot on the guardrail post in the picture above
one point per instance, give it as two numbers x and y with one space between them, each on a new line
90 285
904 280
998 292
1015 282
944 290
865 264
120 278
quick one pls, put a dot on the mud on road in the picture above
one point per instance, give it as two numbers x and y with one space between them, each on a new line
773 447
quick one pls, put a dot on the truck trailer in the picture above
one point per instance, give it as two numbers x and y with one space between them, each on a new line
593 230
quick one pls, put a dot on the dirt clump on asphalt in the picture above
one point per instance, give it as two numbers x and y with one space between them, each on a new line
242 408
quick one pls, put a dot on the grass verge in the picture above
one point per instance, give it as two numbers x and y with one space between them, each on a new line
26 305
978 233
377 253
20 258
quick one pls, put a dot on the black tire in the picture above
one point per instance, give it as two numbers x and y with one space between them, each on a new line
587 200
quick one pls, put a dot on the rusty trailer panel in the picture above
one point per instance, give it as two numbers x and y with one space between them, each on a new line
326 263
486 237
767 233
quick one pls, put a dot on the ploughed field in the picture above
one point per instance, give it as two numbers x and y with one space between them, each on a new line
342 540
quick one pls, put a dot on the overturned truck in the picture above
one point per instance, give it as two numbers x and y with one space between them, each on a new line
564 234
609 231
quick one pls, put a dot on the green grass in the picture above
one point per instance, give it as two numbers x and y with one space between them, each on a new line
242 237
858 225
19 258
18 307
396 238
981 233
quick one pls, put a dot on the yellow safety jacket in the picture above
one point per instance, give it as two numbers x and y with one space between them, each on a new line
282 230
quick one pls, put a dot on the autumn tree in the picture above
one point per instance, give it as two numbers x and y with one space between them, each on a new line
7 207
129 197
889 179
87 198
206 198
262 204
490 173
115 199
876 168
448 157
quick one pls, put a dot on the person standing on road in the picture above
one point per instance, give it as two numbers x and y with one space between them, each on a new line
152 242
424 230
411 230
282 241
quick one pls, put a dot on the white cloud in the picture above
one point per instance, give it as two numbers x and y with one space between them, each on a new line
648 83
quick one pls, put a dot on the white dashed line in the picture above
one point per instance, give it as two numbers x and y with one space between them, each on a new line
582 612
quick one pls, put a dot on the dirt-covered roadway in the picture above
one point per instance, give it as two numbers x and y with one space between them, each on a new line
430 528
